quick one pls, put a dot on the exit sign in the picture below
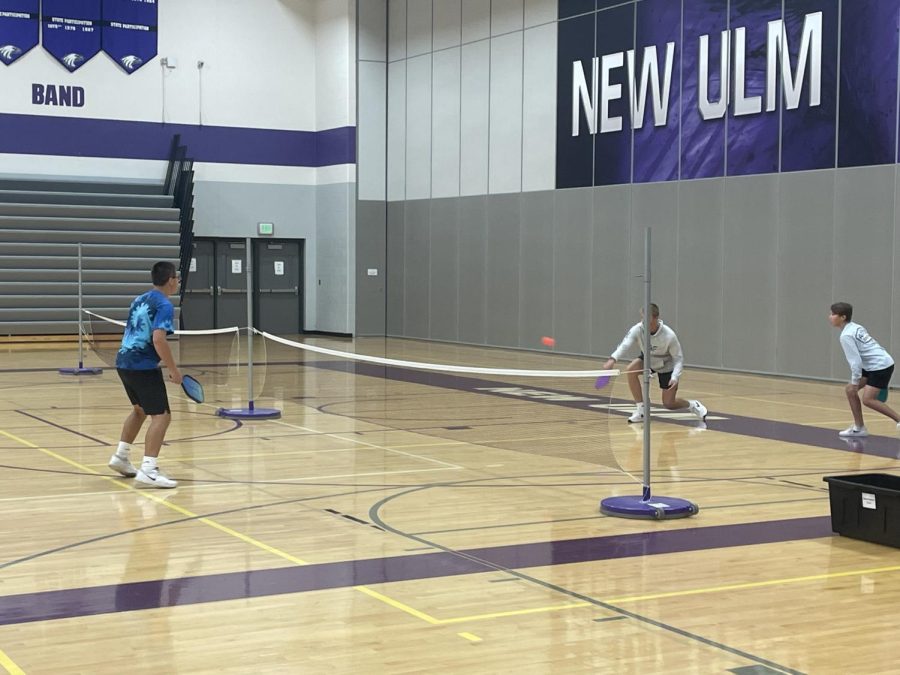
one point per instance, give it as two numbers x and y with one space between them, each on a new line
266 229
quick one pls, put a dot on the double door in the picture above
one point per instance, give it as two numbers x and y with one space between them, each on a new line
216 293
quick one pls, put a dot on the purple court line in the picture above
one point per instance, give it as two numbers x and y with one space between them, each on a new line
59 426
787 432
91 601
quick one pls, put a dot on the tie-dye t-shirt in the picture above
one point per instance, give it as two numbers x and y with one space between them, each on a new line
149 312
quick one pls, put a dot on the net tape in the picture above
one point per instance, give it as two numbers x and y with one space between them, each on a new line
419 365
212 331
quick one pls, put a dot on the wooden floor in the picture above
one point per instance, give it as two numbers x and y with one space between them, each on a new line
399 522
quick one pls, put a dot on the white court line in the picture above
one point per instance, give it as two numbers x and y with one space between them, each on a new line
353 440
360 475
287 453
367 444
245 484
60 496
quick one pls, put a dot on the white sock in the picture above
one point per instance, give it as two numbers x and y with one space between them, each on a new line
148 463
123 449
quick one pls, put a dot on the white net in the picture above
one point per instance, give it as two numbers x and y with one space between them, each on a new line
215 357
545 409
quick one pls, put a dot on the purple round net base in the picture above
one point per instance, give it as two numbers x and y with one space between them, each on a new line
655 508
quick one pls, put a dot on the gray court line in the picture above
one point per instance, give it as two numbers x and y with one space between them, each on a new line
374 515
176 521
63 428
598 516
787 432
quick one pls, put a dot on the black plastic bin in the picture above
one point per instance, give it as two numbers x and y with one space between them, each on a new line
866 506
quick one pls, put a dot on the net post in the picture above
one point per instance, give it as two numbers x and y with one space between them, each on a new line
80 305
646 373
249 324
645 506
251 411
80 369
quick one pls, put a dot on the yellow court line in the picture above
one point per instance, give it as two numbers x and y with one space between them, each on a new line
222 528
753 584
470 637
10 665
13 669
672 594
434 621
148 495
514 612
617 601
396 604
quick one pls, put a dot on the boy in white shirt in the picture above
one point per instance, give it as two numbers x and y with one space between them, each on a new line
871 368
666 360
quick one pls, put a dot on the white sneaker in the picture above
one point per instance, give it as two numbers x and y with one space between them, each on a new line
638 414
155 478
854 431
123 465
699 410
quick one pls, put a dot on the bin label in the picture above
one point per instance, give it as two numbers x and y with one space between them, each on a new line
868 500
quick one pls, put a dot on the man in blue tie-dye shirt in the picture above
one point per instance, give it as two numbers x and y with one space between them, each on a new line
144 345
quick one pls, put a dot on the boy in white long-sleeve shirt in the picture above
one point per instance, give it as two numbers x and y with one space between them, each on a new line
666 360
871 368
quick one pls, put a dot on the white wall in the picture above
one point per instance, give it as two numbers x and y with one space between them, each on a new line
256 71
471 89
270 64
335 63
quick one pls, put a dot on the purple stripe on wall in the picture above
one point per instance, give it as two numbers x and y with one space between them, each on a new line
50 605
77 137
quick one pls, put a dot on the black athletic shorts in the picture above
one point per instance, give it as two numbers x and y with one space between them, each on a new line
878 378
663 378
146 388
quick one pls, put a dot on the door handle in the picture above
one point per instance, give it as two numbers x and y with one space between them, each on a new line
201 291
292 291
231 291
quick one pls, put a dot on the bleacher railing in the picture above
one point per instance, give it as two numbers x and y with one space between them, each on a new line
180 184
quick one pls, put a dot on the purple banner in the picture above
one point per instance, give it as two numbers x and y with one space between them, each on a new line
19 29
677 86
612 148
71 31
656 125
574 144
808 130
703 125
868 101
130 32
752 129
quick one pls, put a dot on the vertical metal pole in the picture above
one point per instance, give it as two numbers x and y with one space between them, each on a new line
80 314
249 325
647 356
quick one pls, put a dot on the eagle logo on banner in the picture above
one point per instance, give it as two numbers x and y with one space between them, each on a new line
73 60
131 62
9 53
